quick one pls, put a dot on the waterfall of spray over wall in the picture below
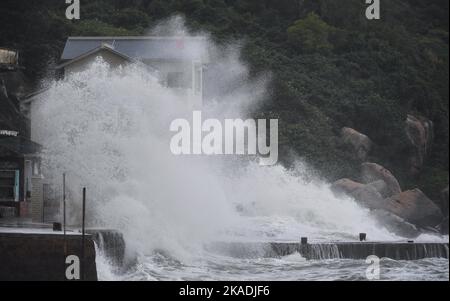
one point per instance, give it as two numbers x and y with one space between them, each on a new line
108 130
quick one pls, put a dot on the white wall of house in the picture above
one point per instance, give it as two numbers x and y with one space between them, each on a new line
112 59
184 76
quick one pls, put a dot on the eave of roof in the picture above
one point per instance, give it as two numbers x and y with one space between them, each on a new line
142 47
93 51
136 38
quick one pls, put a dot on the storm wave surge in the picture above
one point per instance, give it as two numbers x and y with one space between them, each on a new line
108 130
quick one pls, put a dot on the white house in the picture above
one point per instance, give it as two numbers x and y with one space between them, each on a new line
179 60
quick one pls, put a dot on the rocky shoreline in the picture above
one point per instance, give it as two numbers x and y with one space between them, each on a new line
408 212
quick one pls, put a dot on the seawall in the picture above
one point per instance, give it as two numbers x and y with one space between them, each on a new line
42 256
335 250
111 243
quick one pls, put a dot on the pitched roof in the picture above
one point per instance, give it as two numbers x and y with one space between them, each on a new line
141 48
103 46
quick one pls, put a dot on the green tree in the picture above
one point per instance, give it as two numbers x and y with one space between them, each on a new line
99 28
310 34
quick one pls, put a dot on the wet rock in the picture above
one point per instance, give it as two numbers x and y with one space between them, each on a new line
444 201
443 227
414 207
381 187
372 172
431 230
359 142
419 131
369 197
395 224
345 186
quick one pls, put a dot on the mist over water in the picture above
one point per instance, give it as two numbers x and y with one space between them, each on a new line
108 130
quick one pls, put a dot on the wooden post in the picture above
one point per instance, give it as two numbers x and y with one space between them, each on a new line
362 236
43 204
64 214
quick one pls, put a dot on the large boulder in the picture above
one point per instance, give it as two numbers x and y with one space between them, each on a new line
368 195
345 186
360 143
419 131
372 172
414 207
381 187
395 224
443 227
444 201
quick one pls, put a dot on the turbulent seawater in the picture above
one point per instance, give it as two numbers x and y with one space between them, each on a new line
108 130
290 268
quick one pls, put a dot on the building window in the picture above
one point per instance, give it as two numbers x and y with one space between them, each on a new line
175 80
36 168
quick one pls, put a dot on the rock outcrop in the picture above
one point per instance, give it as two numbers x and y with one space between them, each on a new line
414 207
345 186
368 195
358 141
381 187
372 172
395 224
402 213
443 227
419 131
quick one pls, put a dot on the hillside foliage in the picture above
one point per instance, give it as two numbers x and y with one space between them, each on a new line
331 67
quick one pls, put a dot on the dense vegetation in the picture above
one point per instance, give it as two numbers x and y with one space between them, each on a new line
331 66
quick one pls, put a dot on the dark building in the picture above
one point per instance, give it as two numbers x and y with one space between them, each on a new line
18 154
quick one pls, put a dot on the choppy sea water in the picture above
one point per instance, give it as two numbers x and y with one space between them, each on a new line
290 268
109 132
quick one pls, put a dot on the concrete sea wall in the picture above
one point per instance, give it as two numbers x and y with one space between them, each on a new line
42 256
111 243
335 250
